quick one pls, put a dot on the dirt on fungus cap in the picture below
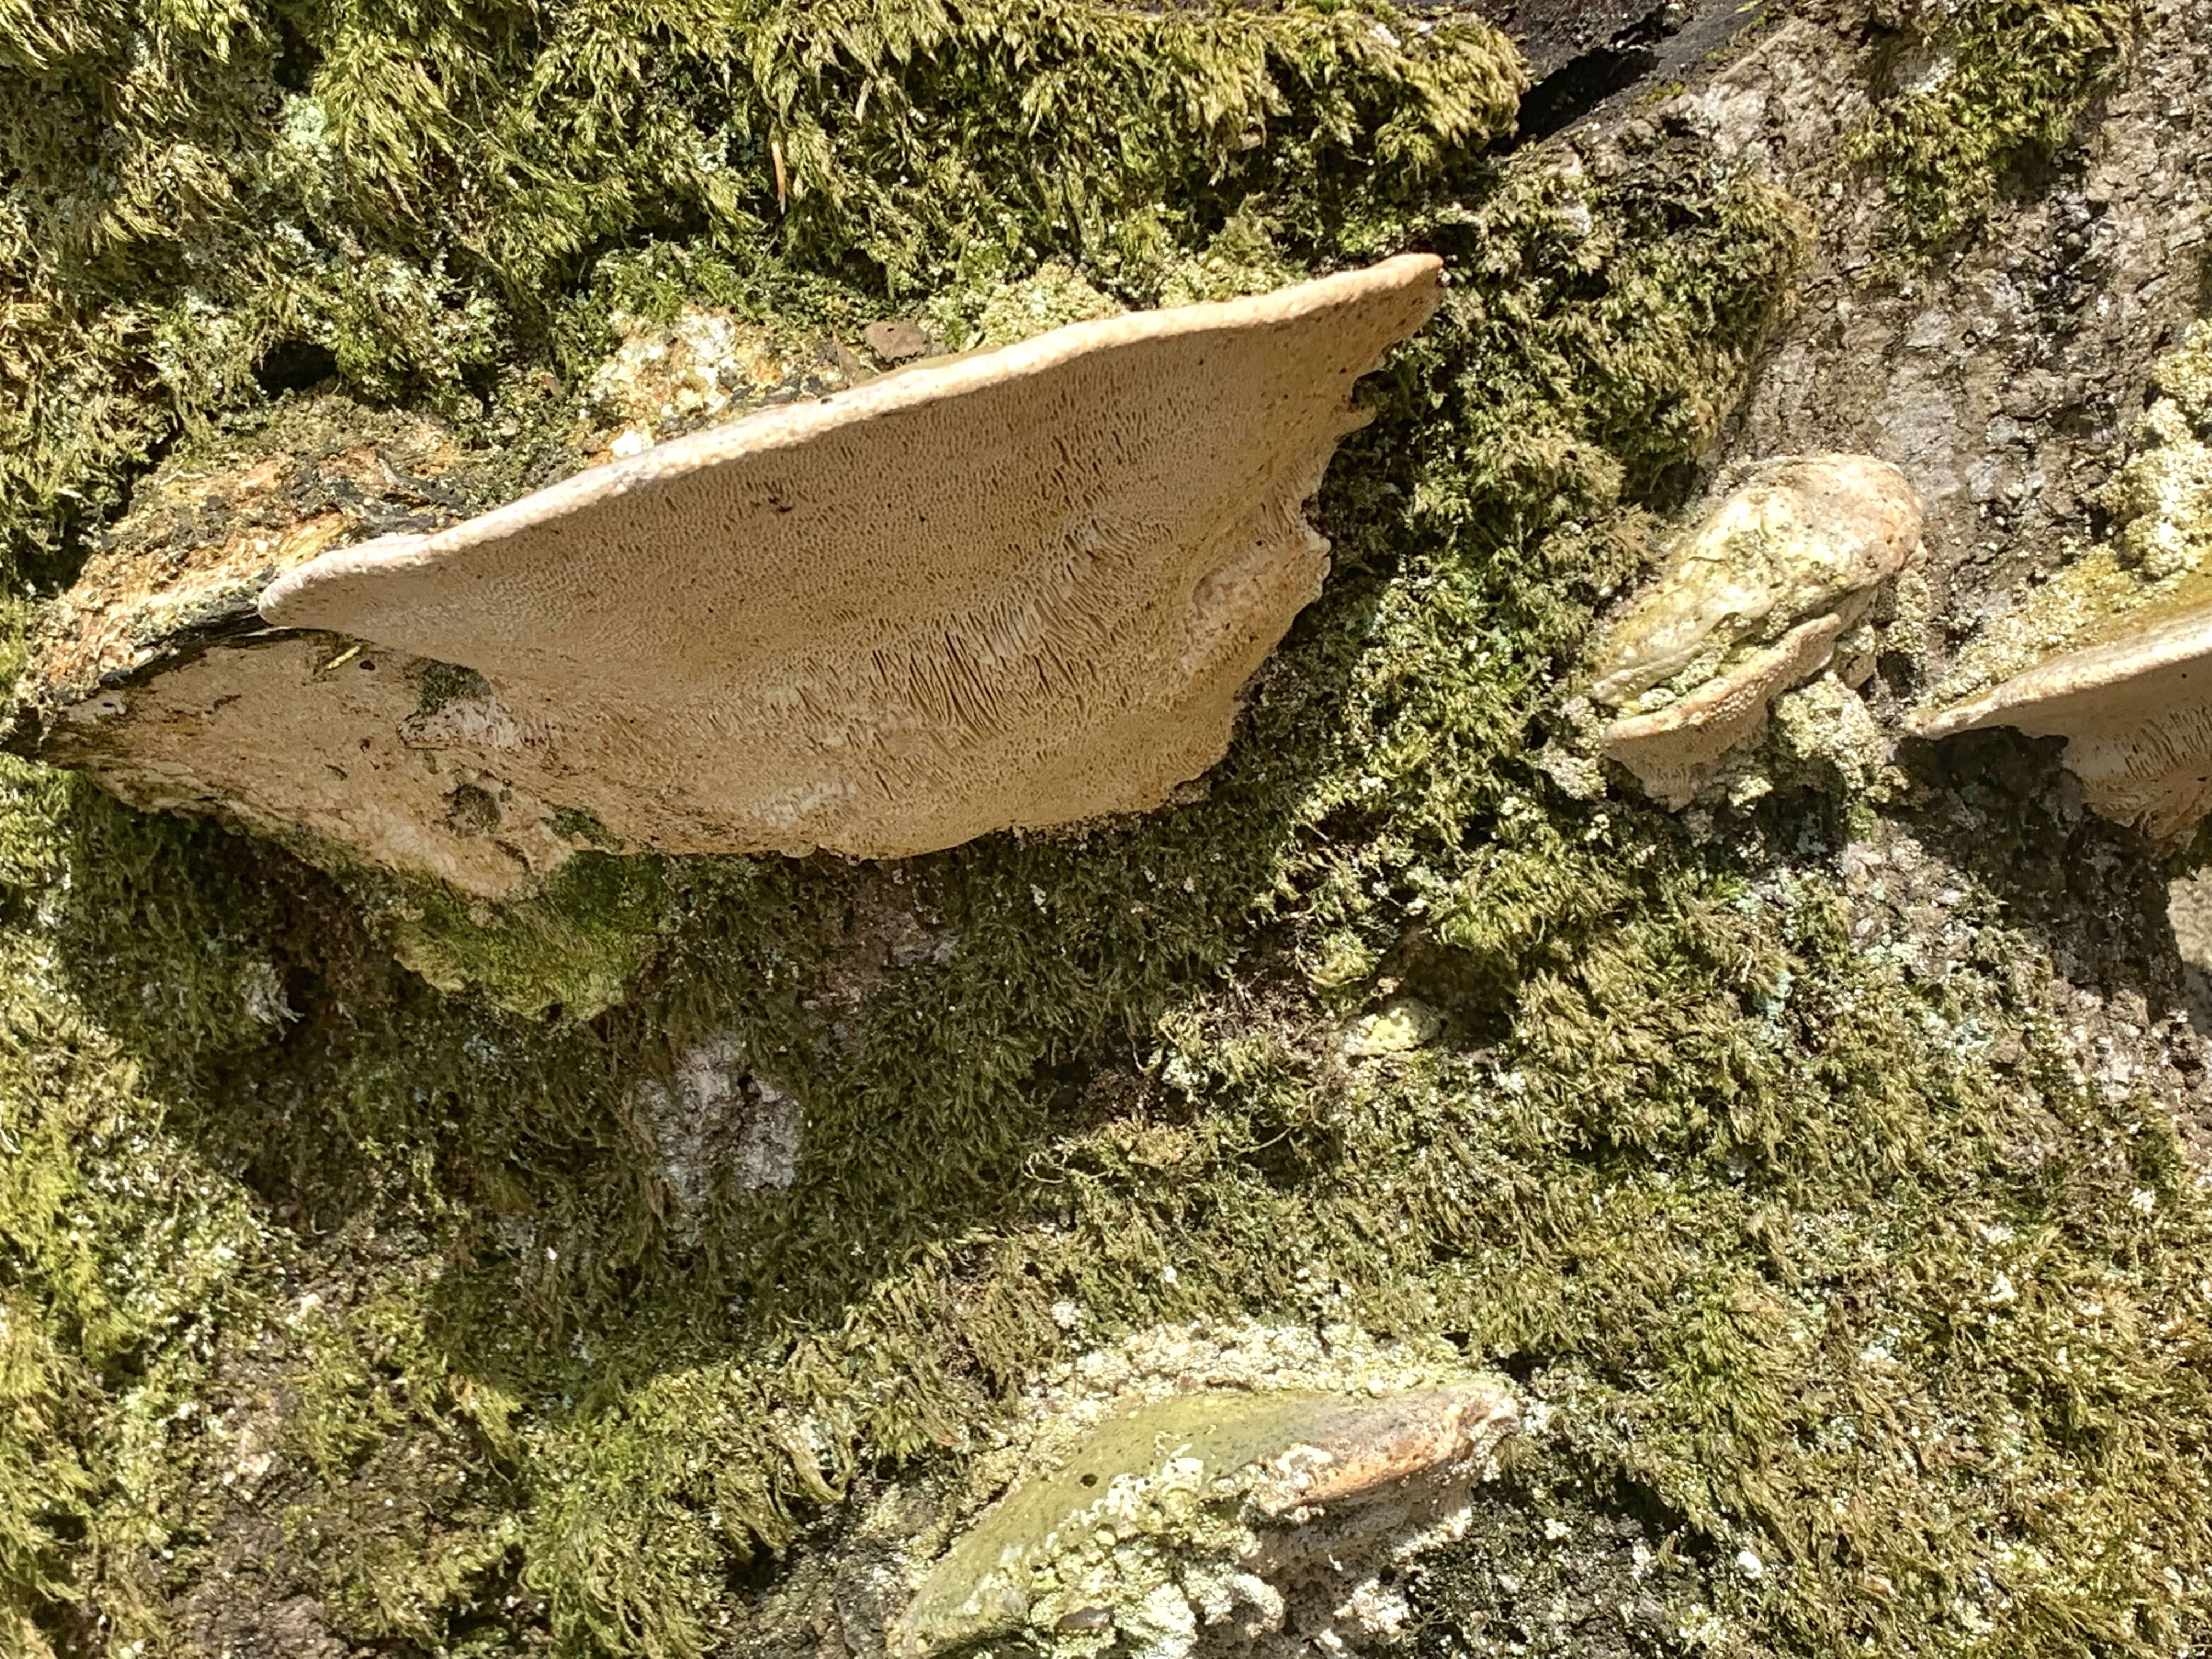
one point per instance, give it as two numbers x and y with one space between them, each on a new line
1022 587
2136 710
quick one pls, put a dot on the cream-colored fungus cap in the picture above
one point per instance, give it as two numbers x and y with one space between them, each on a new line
1021 587
1751 603
2137 712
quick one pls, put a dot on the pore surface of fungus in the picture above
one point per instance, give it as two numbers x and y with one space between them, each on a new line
1020 587
1752 602
2136 710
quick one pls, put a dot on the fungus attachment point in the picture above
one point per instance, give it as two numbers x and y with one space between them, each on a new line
2136 710
1014 588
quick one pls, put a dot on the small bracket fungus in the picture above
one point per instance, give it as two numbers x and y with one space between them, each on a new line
2115 653
1020 587
1759 597
2136 710
1247 1524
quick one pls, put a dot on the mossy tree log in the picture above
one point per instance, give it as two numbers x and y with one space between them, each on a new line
686 1272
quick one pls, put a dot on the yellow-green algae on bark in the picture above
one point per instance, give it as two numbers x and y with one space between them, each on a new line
1798 1216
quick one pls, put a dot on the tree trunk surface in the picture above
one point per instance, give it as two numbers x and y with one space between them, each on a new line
1413 1190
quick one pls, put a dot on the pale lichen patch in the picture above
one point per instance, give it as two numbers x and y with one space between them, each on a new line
717 1125
1054 296
1825 732
1400 1026
701 366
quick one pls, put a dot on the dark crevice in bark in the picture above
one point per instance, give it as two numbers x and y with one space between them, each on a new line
1568 93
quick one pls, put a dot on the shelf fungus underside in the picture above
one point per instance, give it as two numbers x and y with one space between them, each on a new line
2136 710
1017 588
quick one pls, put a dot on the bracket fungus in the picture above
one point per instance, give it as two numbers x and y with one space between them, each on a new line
2114 652
2136 710
1217 1522
1017 588
1756 599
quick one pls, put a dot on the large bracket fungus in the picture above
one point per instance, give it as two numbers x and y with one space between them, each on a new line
1759 597
1022 587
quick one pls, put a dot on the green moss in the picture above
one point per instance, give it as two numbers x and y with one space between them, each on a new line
415 202
394 1459
2014 76
572 947
573 823
445 682
123 1255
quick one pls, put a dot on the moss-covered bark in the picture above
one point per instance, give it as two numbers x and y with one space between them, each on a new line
342 1311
